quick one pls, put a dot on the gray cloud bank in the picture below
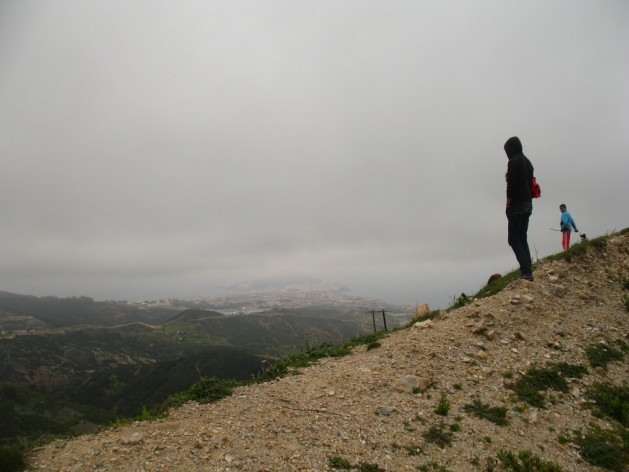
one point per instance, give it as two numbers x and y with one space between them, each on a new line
154 149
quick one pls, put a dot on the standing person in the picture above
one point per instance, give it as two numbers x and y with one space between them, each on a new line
567 223
519 204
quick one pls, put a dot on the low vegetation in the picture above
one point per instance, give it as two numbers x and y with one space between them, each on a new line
604 448
495 414
524 461
612 401
537 380
443 407
12 458
339 463
439 435
601 354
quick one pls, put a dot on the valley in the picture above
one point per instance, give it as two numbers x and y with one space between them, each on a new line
71 365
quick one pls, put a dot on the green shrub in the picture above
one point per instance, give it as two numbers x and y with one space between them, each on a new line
443 407
432 466
600 355
497 415
498 285
206 390
337 462
439 436
602 448
365 467
536 380
611 401
12 458
525 461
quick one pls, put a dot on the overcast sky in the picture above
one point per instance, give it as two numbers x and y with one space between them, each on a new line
173 148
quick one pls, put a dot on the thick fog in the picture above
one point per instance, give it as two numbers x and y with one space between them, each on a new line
155 149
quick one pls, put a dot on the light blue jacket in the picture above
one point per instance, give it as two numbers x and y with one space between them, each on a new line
567 223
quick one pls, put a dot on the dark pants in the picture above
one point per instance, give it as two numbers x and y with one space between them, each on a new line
518 214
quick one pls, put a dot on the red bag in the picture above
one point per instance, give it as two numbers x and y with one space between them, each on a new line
536 190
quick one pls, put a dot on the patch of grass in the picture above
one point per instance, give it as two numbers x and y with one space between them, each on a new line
460 302
338 462
207 390
611 401
12 458
579 250
443 407
432 466
600 355
524 461
413 450
373 345
498 285
439 436
311 354
604 448
365 467
536 380
495 414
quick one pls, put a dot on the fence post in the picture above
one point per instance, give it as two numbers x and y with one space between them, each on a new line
384 318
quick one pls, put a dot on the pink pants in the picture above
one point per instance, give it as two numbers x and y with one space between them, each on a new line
565 240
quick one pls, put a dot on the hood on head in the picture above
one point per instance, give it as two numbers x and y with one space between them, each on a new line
513 146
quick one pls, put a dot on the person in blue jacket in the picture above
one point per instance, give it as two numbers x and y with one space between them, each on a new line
567 225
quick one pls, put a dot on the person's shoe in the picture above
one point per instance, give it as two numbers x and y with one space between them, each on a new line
528 277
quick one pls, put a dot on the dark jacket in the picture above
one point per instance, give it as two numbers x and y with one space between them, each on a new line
519 172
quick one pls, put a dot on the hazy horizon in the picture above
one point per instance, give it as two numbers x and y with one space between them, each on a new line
161 150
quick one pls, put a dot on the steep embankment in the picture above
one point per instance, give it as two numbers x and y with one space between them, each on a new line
363 409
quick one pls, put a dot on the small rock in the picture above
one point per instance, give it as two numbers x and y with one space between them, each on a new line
135 438
409 383
423 324
479 327
558 290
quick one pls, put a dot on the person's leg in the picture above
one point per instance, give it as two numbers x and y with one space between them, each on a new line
518 217
565 240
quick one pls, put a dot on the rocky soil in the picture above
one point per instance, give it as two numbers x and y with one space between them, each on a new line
376 406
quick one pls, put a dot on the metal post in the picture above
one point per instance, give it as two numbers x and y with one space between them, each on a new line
385 320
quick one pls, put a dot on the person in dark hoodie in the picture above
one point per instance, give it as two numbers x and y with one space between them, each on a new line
519 204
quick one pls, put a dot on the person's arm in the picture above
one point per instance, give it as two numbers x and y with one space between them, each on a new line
509 179
574 225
